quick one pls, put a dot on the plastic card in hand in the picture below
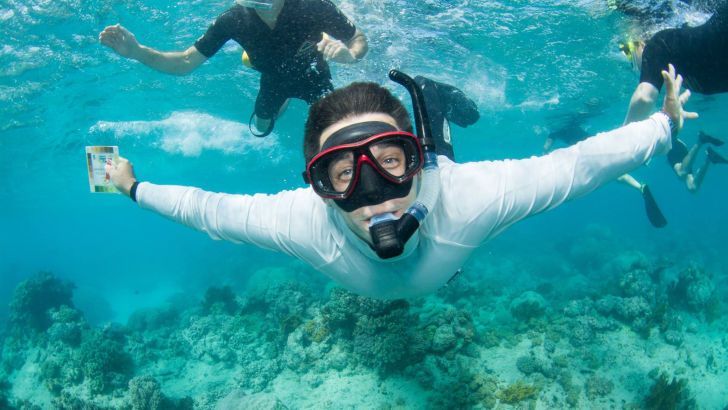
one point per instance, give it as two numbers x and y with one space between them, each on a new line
99 160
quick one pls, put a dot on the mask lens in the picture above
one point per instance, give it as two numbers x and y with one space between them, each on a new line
340 171
395 157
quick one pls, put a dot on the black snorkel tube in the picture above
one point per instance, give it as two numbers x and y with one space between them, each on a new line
389 235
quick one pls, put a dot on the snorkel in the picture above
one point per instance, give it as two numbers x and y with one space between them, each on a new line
389 234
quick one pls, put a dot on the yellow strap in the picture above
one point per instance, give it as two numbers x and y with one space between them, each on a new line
246 59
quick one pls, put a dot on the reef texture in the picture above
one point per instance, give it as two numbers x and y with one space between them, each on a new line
647 335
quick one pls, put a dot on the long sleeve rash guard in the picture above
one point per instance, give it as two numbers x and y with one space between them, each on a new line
478 200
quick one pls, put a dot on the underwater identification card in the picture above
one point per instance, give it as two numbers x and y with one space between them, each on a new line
99 160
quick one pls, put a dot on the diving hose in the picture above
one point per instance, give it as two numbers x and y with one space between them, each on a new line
389 234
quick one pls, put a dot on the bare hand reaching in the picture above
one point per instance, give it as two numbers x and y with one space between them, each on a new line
335 50
674 101
120 40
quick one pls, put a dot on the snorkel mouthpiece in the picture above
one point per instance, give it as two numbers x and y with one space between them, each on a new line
389 234
385 241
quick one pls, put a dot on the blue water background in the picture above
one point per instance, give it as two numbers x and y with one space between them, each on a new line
528 65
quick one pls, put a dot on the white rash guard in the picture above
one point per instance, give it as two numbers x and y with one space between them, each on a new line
478 200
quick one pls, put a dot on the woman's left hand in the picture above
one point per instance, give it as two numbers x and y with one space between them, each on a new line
674 101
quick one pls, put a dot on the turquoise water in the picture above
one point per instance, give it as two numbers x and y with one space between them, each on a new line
528 65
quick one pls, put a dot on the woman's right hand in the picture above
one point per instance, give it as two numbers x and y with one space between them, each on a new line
120 40
122 175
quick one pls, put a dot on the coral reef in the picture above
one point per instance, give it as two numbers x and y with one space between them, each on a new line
34 298
695 291
598 386
669 393
220 300
280 345
145 393
528 305
104 363
517 392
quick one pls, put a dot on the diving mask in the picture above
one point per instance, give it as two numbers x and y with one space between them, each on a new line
365 164
628 48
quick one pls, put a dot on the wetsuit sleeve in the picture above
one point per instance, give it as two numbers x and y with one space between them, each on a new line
492 195
219 32
292 222
459 109
655 59
334 22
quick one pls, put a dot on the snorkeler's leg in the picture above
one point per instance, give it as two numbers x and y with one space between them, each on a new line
687 162
694 181
630 181
268 105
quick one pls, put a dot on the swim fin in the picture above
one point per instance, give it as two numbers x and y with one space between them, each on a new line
715 157
265 133
704 138
657 219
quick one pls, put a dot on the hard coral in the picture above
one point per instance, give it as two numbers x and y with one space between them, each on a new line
597 386
694 290
34 297
220 300
104 362
528 305
68 325
145 393
517 392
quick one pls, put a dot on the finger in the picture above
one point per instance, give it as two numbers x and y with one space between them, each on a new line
669 83
690 115
684 97
678 83
330 51
671 68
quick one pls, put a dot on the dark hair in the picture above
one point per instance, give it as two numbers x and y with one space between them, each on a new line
354 99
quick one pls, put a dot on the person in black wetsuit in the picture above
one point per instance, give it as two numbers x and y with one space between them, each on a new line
699 54
445 104
681 159
283 39
571 131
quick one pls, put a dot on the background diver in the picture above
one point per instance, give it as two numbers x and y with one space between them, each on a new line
570 130
283 39
384 216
